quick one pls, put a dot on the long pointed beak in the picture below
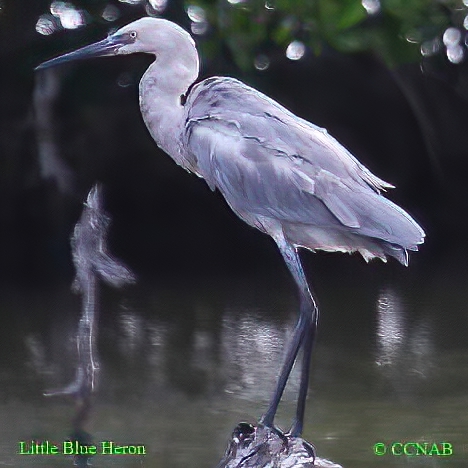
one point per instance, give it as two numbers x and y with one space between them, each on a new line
106 47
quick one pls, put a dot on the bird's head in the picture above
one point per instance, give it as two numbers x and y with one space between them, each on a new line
156 36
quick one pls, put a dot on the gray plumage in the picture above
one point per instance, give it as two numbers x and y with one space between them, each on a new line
278 172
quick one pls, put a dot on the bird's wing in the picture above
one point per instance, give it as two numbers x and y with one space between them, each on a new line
269 162
229 101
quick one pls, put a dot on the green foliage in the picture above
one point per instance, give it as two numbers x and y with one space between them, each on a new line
394 30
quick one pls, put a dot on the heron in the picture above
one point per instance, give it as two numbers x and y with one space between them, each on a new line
279 173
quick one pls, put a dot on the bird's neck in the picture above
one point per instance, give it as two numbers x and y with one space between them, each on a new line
161 89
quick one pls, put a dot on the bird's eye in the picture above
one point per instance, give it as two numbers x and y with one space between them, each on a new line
133 34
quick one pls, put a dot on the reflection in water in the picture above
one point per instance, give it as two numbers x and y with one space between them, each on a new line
36 359
157 344
405 351
243 359
92 263
132 331
421 350
390 327
253 351
179 371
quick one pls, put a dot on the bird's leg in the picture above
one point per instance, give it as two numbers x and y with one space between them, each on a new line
294 345
308 318
309 336
304 334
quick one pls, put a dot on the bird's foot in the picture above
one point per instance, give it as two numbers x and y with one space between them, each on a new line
254 445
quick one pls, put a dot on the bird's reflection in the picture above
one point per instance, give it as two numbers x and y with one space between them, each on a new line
404 352
248 344
92 263
391 328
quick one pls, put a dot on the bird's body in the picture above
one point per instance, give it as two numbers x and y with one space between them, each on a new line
278 172
282 174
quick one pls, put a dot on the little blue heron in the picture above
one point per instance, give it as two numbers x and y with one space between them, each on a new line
279 173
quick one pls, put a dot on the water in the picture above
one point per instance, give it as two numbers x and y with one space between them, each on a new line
182 363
